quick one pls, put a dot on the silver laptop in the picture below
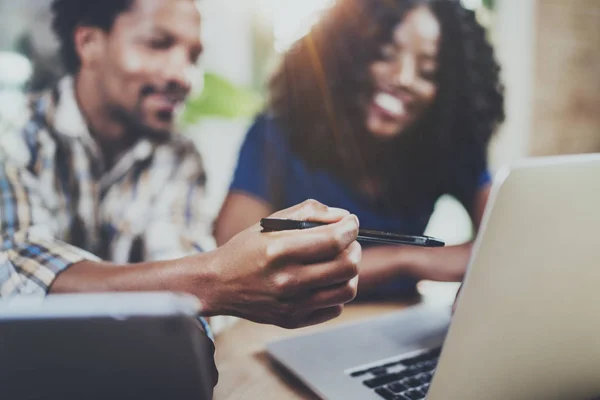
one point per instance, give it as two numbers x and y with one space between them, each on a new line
527 325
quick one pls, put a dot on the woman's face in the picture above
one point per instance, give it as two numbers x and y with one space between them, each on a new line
405 76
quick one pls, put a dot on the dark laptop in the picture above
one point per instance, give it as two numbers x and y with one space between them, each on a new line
104 346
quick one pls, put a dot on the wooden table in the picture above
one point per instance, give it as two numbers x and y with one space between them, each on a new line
246 372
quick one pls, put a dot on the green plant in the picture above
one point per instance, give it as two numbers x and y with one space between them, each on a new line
223 99
489 4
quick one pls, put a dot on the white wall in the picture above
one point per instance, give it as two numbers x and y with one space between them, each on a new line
227 35
514 40
16 18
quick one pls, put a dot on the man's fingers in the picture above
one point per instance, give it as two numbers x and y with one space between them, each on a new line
312 210
336 295
314 244
322 315
309 306
303 279
310 272
339 270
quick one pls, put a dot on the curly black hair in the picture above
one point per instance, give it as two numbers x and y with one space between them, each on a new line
69 14
320 92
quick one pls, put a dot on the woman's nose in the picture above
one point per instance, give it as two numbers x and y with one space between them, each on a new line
405 72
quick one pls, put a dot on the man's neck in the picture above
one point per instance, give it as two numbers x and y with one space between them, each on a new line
109 134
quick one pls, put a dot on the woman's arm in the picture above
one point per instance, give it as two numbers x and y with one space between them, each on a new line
380 264
240 211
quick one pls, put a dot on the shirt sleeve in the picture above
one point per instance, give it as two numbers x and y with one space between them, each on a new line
484 179
468 178
30 255
260 162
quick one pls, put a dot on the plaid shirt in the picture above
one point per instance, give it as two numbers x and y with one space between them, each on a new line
60 204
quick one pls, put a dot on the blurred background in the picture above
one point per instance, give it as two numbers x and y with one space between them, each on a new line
549 51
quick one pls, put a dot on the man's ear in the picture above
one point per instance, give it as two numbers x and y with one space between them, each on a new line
89 45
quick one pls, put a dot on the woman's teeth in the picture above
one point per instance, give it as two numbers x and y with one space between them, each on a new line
391 104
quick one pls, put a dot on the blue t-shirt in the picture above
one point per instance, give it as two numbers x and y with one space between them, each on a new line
265 155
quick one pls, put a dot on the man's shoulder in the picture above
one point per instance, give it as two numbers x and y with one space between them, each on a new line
16 112
21 127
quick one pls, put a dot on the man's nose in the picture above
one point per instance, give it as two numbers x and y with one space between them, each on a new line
179 70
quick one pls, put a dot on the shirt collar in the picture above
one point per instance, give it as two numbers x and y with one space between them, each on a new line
68 120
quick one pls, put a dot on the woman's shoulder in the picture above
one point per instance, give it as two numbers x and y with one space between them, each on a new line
266 121
267 129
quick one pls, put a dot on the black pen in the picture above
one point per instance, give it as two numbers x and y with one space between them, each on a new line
364 235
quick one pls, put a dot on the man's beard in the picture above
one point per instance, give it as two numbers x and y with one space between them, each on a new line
134 121
136 128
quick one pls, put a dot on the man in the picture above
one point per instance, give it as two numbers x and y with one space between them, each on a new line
95 169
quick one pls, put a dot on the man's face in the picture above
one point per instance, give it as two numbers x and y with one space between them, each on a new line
147 62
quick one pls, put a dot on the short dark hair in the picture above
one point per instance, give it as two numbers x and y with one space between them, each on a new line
69 14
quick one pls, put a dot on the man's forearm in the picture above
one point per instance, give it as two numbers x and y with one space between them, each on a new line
176 275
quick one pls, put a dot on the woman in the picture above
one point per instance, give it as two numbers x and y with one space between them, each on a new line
384 107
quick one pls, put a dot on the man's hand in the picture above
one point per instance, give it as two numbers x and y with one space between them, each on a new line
289 278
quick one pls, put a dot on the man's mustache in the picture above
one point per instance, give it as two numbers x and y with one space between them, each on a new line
172 91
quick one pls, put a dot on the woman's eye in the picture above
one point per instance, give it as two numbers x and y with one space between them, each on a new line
429 75
387 53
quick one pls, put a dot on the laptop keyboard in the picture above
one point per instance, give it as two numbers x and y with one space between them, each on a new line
402 379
